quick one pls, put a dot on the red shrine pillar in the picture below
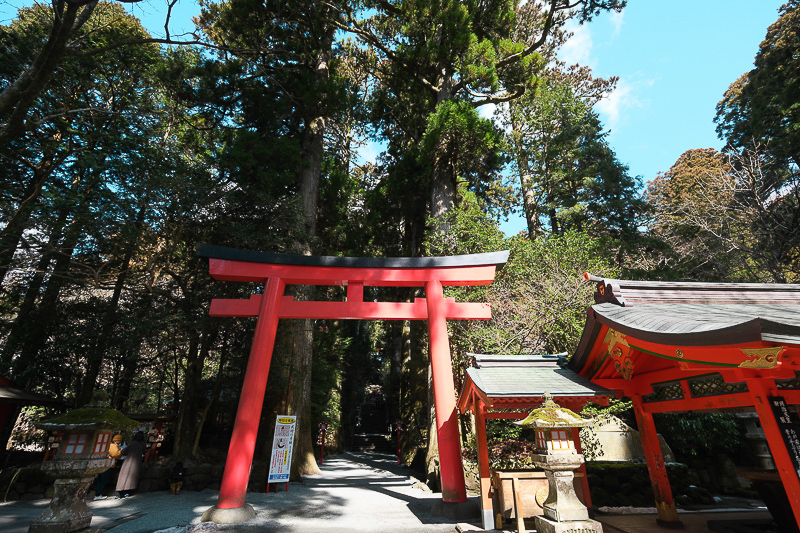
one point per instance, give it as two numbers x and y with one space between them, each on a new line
444 395
760 390
243 440
484 470
665 504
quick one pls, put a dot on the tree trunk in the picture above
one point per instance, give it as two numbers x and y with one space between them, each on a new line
42 317
187 407
17 98
122 392
96 356
21 327
529 204
303 461
187 419
223 359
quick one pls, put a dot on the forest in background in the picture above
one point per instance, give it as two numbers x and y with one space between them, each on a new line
119 152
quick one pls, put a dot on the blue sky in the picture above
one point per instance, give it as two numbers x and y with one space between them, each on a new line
674 58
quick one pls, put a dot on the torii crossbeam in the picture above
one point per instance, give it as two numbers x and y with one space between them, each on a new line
278 270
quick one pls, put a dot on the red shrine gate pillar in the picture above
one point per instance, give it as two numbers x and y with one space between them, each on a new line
760 390
444 395
279 270
243 440
665 503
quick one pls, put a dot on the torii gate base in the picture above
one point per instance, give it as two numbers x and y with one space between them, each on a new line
278 270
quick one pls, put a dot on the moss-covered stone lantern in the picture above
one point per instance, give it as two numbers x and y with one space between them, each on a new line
557 456
82 454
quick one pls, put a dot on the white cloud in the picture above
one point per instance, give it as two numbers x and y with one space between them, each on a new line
578 48
616 20
487 111
623 99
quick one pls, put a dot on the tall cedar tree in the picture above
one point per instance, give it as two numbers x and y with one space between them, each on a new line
290 49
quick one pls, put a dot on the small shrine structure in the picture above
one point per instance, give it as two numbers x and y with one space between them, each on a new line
12 399
679 346
276 271
510 387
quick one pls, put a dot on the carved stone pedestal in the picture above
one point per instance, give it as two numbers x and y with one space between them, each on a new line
545 525
562 504
68 511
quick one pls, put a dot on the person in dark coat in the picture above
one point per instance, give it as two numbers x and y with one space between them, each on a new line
131 469
176 479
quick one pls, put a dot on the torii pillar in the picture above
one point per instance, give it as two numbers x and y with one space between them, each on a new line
278 270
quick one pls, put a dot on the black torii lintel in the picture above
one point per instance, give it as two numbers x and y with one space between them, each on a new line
211 251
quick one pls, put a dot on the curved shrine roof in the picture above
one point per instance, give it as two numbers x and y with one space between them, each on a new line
691 314
703 324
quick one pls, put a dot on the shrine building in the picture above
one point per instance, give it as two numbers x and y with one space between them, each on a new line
677 347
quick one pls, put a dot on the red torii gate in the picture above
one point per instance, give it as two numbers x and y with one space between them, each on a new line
278 270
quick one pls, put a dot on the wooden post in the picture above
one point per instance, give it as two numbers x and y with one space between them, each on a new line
665 504
444 396
518 504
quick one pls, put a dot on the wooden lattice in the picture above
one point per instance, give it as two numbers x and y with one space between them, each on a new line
714 386
789 384
670 391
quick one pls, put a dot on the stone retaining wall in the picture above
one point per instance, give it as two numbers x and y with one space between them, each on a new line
31 483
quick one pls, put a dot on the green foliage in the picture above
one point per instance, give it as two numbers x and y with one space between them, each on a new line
570 177
592 448
761 106
538 298
330 347
458 140
25 433
701 435
726 217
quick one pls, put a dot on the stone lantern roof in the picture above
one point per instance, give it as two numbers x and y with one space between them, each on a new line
89 418
96 415
551 415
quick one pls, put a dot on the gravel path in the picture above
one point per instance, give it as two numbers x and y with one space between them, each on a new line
356 492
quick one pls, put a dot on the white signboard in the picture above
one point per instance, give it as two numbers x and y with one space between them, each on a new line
282 444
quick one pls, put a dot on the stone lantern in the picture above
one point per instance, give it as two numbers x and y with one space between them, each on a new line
82 454
556 455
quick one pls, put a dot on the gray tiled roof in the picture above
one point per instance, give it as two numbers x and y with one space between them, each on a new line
630 293
503 381
516 360
703 324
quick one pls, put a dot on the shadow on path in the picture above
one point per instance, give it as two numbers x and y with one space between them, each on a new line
356 492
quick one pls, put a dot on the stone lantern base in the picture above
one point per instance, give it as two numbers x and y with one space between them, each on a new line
545 525
68 511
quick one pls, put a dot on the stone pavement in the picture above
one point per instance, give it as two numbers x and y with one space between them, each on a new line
356 492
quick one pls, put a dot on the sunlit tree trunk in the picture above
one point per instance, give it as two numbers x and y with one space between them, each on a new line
188 420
